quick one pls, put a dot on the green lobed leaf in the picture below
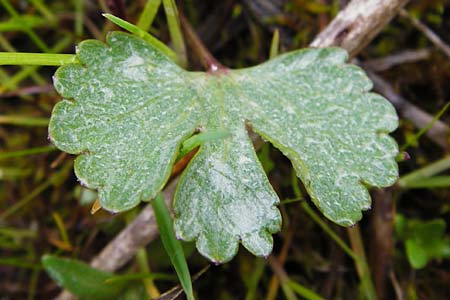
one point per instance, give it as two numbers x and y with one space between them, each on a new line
127 108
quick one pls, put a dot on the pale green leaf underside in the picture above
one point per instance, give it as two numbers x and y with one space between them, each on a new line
129 108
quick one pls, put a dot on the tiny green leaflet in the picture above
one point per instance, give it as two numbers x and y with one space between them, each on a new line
127 109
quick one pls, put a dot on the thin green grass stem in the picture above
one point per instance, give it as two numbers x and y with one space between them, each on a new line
9 8
417 136
6 45
17 78
18 233
142 259
26 200
17 23
29 31
18 263
303 291
288 292
37 40
24 73
45 11
275 44
13 173
34 278
55 178
79 12
35 59
148 14
293 200
30 151
425 172
23 121
173 21
429 183
325 227
4 80
255 277
318 220
37 78
61 228
359 260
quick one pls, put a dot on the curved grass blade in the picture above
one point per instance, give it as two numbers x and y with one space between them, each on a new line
172 245
142 34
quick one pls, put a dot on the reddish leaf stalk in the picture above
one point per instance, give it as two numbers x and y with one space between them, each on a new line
208 61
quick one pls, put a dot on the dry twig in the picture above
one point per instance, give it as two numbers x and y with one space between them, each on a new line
357 24
382 242
387 62
433 37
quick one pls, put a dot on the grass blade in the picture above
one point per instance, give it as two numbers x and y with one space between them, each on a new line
304 291
425 172
172 245
35 59
148 15
360 261
275 44
175 31
428 183
23 120
79 11
30 151
142 34
254 279
417 136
